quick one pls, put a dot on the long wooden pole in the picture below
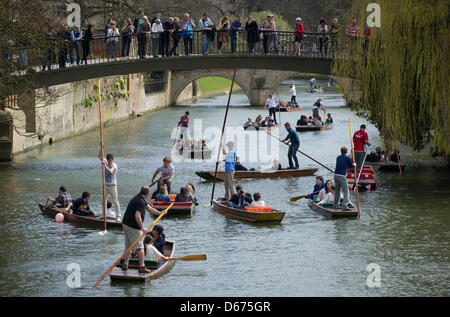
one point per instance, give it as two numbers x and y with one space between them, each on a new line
302 153
131 247
102 152
353 157
221 137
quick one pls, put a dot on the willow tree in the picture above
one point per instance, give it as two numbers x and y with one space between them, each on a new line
402 72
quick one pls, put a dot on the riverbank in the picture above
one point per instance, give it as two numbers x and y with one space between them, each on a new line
213 86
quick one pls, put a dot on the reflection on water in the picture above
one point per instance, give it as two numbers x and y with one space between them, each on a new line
404 226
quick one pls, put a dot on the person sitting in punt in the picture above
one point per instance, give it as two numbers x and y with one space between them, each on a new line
249 123
163 195
268 122
159 238
378 153
372 157
320 184
191 189
64 200
150 251
302 121
395 157
258 121
257 201
183 196
324 190
238 166
80 206
329 195
329 119
240 200
276 166
310 120
319 122
109 212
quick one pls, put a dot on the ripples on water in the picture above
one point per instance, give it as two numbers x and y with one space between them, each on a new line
404 225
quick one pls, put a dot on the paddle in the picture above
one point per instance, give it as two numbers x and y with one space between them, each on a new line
150 186
302 153
302 196
132 246
194 257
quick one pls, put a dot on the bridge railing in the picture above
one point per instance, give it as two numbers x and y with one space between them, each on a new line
156 45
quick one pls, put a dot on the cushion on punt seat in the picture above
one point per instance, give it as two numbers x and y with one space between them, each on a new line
259 209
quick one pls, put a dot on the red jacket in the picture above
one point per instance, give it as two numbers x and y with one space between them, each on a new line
299 31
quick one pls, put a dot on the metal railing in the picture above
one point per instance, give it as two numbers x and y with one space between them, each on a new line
178 43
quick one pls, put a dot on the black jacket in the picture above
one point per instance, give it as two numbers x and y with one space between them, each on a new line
235 198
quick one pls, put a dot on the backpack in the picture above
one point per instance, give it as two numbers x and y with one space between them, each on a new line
188 33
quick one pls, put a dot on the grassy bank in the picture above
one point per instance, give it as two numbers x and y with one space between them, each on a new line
213 83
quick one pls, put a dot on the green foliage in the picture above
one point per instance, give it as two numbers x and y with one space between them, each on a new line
281 23
403 76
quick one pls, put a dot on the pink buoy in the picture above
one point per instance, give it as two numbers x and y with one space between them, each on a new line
59 217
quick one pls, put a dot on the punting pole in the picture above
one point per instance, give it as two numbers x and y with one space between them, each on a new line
302 153
131 247
353 157
102 152
221 137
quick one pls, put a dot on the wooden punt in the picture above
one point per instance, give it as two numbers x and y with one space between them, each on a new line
198 154
368 179
289 109
386 166
209 175
133 275
274 216
253 128
331 212
178 209
90 221
307 128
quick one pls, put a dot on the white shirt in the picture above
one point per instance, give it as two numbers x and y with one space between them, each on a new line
109 214
293 92
157 28
152 252
271 102
259 203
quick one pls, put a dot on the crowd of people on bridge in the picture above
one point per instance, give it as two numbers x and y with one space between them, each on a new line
164 35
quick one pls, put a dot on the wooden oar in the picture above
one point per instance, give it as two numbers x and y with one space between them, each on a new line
221 136
131 247
150 186
302 153
353 156
302 196
194 257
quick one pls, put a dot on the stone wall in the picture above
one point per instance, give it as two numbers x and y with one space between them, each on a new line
75 110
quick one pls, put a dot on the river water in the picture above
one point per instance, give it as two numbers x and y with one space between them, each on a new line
404 225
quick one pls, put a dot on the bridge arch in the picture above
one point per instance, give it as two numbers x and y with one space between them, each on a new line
255 83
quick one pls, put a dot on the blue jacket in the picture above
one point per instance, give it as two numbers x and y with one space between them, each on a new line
159 244
293 137
162 197
235 25
316 189
343 162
